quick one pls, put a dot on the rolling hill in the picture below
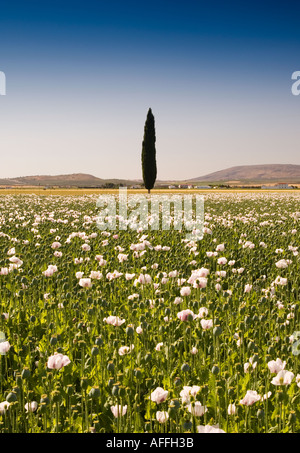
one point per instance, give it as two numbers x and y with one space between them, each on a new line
239 175
71 180
254 174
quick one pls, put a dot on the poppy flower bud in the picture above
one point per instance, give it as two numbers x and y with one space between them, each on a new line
172 412
231 392
215 370
148 382
25 373
115 389
90 311
53 340
177 381
148 357
99 341
174 404
84 383
95 351
94 392
45 400
11 397
210 350
42 408
18 379
292 417
122 390
219 391
185 367
211 305
56 396
110 367
217 331
129 330
187 426
271 350
138 374
260 414
280 395
161 329
110 382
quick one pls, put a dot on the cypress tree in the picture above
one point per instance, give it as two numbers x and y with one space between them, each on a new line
149 152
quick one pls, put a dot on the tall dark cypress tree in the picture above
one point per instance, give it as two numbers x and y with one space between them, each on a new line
149 153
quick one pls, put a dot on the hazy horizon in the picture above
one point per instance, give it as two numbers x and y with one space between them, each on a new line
80 79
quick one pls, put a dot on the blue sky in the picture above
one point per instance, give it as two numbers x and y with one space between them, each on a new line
80 77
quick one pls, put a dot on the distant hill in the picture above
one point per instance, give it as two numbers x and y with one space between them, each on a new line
245 174
72 180
254 174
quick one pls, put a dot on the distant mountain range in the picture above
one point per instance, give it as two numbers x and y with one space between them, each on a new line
72 180
254 174
245 174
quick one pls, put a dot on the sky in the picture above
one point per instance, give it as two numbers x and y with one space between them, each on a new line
81 76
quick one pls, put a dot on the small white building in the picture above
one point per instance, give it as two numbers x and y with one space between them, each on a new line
280 185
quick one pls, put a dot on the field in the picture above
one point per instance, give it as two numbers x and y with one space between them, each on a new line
140 330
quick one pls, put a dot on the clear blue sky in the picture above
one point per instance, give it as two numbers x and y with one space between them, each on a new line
81 76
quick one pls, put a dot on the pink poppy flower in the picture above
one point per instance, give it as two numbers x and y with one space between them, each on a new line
187 392
31 407
58 361
96 275
206 324
185 291
276 365
4 406
56 245
162 416
284 377
159 395
209 429
50 270
85 282
159 346
4 347
247 288
250 398
118 410
222 260
114 320
197 409
123 350
185 314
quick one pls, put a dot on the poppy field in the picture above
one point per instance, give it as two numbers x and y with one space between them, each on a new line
143 331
